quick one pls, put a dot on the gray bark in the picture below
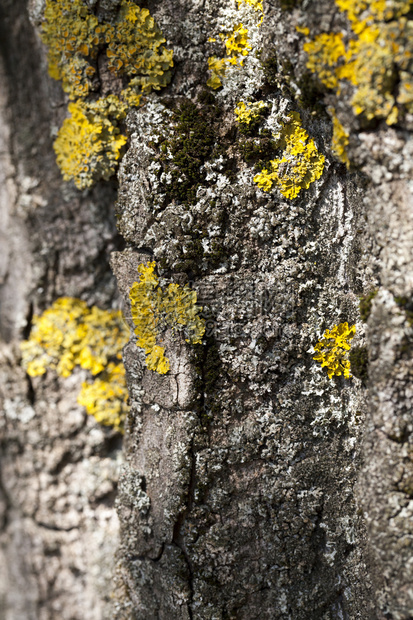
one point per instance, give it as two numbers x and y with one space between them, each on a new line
253 487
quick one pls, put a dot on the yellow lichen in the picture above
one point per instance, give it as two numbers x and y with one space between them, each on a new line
70 334
323 54
237 44
106 398
248 112
154 309
376 57
299 165
69 31
217 68
131 46
331 350
135 48
340 139
89 143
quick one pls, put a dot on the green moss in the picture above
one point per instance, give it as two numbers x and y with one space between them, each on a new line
271 70
195 137
184 153
365 305
258 149
359 361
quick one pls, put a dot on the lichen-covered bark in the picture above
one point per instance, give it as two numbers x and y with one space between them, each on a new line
253 485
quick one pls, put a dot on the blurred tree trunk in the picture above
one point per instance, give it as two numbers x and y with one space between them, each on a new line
253 486
59 469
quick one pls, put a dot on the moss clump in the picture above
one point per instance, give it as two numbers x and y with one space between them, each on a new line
311 93
271 70
258 149
195 138
365 305
359 361
184 153
289 5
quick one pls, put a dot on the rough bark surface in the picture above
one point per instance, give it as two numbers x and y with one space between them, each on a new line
253 487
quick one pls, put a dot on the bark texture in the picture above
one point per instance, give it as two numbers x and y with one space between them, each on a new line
253 487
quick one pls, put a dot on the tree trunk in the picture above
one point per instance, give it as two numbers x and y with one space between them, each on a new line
252 486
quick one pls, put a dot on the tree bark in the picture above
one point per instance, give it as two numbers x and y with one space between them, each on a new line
252 485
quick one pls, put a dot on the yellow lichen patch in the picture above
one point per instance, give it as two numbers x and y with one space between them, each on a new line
237 45
217 68
76 77
236 40
324 52
69 31
376 60
154 309
331 350
299 165
247 112
136 48
89 143
70 334
340 139
107 397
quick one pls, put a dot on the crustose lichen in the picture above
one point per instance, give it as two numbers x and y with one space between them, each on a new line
154 309
332 350
70 334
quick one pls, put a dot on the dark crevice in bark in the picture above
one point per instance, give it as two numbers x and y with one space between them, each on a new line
31 394
54 528
29 318
144 250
